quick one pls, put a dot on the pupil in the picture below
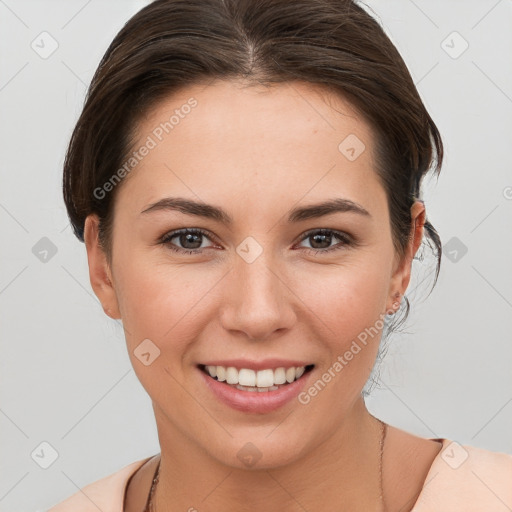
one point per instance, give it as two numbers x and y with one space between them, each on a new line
188 237
321 237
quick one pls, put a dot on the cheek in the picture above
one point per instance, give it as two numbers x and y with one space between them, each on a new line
162 305
348 298
348 306
162 302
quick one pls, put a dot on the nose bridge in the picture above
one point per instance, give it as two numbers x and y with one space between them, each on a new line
258 302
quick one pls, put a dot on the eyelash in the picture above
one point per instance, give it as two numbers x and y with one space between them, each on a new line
347 240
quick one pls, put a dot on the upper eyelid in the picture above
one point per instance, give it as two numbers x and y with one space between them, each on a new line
330 230
183 231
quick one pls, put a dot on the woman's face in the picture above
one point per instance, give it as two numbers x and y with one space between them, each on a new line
263 291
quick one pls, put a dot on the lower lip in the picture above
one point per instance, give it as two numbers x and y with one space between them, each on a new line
255 401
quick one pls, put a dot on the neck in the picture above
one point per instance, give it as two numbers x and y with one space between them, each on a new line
341 472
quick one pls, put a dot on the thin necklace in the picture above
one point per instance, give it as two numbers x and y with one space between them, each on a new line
150 507
149 503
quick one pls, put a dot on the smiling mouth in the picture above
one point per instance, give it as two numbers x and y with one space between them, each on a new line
256 381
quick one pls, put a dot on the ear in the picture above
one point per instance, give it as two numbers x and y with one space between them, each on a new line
100 273
402 274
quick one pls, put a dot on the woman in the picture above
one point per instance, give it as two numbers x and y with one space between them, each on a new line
246 176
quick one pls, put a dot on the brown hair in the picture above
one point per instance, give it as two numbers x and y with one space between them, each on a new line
170 44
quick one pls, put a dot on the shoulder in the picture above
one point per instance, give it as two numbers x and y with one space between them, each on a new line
466 478
106 494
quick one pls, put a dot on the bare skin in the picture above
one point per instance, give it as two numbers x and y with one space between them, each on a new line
407 460
259 153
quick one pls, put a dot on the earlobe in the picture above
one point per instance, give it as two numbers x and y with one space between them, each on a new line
100 274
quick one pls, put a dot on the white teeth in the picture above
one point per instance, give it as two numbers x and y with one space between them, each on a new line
249 380
231 375
221 373
290 374
254 388
245 388
279 376
264 378
247 377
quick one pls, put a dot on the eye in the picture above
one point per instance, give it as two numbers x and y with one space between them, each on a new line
189 238
322 239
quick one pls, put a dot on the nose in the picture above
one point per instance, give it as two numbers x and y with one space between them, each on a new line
258 301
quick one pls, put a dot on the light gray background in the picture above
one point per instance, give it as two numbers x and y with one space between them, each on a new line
66 376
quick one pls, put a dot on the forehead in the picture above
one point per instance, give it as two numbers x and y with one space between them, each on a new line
232 140
223 106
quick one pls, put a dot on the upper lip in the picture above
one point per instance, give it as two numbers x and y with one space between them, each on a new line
257 365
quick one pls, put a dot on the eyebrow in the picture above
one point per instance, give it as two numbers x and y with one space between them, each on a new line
199 209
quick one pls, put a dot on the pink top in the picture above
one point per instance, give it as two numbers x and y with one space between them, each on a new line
461 479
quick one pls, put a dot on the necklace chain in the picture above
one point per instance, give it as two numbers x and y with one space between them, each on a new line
149 504
150 507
